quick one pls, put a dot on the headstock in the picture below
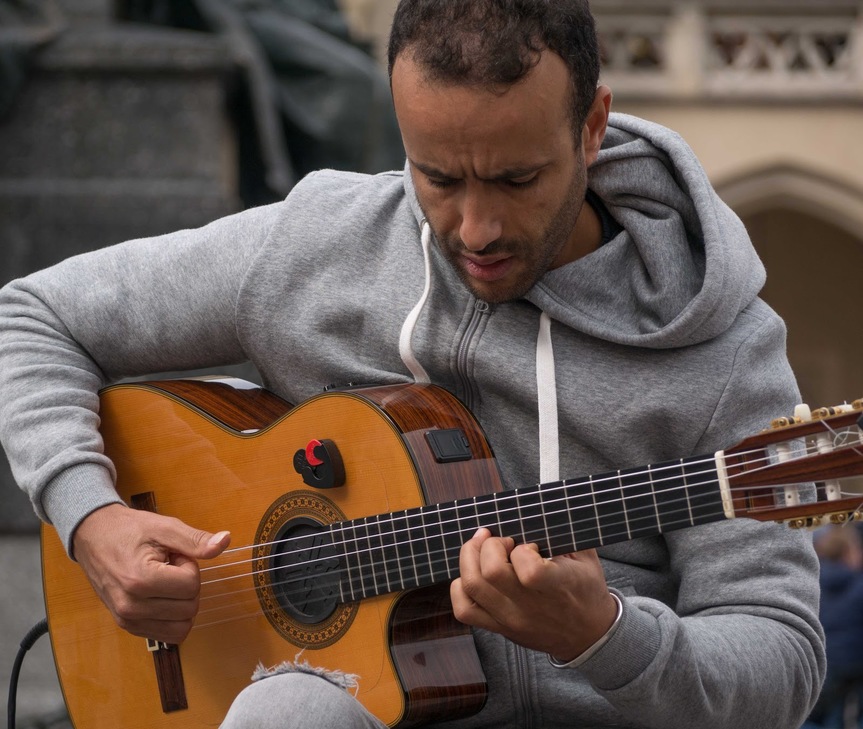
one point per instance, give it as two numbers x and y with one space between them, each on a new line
765 471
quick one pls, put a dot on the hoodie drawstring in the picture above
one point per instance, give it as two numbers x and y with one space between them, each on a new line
546 396
405 351
546 386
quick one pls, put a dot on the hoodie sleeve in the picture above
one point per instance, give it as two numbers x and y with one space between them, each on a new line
743 646
151 305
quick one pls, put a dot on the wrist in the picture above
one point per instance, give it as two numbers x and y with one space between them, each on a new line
594 648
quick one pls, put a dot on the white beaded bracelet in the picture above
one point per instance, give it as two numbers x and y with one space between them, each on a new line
582 657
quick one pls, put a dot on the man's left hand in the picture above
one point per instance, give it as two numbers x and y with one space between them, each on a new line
560 606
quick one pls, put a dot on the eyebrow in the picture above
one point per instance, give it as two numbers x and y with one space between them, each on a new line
507 174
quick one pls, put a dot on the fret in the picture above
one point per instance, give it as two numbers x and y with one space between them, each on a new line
364 558
582 509
610 511
489 516
669 493
557 517
432 543
468 518
389 567
353 569
416 549
436 544
404 554
702 491
638 487
453 536
531 520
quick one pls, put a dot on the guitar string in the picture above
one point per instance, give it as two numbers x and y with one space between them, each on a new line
433 557
629 518
437 557
250 593
610 477
499 498
547 489
514 494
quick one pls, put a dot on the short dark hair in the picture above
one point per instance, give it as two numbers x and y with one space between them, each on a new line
497 42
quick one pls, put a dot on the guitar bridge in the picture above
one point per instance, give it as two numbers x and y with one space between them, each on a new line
155 645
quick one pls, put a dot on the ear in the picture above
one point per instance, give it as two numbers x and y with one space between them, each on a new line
595 125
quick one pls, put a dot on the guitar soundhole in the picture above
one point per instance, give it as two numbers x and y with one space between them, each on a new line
305 577
297 570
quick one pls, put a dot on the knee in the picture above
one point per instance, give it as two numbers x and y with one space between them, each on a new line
291 701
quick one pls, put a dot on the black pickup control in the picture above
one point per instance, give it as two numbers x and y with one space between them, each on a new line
449 445
320 464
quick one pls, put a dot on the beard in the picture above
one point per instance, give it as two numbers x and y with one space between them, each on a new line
532 256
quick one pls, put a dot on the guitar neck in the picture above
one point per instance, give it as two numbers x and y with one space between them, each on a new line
420 547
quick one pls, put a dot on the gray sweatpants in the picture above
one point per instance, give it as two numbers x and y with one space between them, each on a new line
297 701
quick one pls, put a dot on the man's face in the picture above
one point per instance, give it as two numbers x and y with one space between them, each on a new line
501 177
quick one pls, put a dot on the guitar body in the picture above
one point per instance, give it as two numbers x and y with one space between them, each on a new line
326 564
220 455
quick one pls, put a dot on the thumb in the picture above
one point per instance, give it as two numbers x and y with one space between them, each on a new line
194 543
210 545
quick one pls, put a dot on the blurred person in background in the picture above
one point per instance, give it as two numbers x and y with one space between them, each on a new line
840 550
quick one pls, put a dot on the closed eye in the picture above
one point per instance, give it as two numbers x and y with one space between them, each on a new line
520 182
441 182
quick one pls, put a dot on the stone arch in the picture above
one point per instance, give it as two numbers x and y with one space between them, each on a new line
808 230
786 186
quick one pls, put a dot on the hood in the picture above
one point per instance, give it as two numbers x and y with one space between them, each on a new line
683 267
679 272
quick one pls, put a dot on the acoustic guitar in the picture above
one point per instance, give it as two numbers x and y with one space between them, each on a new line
347 513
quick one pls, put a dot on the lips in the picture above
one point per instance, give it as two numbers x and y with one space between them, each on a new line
488 268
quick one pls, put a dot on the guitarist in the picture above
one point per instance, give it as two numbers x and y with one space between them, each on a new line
567 272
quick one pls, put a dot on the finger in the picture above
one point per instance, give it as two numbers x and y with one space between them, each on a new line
530 569
171 568
162 609
468 611
475 595
468 558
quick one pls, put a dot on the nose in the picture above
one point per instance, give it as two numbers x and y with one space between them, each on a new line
480 222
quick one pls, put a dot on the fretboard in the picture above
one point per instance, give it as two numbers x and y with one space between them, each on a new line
419 547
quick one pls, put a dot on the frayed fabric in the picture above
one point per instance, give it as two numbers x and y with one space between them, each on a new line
347 681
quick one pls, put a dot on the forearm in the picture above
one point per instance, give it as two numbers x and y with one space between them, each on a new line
740 645
717 671
143 307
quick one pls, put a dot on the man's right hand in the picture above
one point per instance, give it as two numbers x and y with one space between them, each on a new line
144 567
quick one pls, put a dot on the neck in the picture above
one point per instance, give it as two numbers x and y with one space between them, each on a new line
586 236
421 546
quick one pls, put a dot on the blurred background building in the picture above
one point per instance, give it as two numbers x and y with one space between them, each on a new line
769 93
124 118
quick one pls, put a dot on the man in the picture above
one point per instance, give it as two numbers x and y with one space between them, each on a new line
570 275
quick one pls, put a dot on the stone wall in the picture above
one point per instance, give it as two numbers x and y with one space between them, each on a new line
119 131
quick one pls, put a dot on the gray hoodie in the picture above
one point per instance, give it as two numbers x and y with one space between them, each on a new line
661 349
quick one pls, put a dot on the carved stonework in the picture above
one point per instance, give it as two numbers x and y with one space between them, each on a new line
713 49
798 54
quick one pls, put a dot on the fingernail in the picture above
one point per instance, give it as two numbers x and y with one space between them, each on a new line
216 538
